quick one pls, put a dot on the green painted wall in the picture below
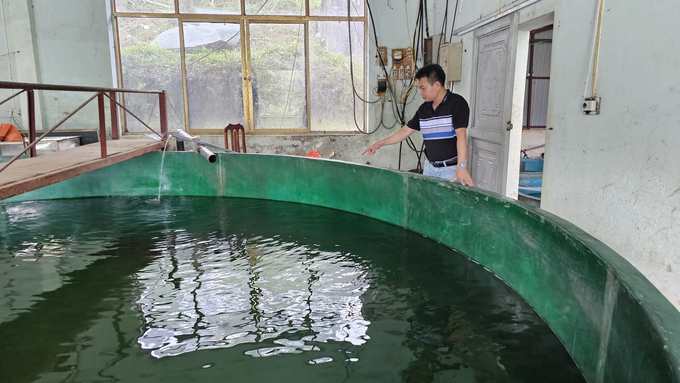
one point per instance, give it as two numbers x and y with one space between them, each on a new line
615 323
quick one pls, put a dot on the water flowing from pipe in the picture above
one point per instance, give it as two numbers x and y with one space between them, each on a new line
160 180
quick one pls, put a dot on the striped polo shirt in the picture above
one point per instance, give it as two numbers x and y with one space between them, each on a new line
439 126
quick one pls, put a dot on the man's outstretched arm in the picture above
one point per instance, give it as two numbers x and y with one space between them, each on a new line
396 137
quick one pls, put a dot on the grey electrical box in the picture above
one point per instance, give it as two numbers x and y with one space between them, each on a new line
451 60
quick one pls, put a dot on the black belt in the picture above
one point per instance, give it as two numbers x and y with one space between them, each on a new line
440 164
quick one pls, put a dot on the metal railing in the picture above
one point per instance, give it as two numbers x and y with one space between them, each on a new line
110 93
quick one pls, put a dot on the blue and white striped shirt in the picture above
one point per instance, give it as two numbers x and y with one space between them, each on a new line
438 126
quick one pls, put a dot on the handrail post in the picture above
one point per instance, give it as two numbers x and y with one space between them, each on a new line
114 117
102 124
31 122
163 112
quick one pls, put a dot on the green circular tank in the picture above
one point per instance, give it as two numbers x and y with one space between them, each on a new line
617 326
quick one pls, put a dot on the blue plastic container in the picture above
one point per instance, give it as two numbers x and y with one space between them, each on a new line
531 165
528 187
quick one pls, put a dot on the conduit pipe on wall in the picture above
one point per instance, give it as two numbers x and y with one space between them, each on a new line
597 46
492 17
594 51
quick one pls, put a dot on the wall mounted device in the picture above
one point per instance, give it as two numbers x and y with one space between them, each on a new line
397 54
591 105
451 60
431 49
382 86
382 51
401 64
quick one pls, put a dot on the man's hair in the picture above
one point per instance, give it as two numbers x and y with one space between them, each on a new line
433 72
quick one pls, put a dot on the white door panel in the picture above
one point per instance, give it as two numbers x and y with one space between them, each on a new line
493 73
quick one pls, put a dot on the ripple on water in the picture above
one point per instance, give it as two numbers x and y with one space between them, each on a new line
211 285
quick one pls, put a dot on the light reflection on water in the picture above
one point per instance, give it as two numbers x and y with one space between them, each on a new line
215 289
221 293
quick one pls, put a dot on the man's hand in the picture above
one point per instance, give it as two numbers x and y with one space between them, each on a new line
463 176
371 149
396 137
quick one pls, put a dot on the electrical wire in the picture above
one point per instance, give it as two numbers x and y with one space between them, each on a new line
453 24
401 101
597 47
598 10
390 89
427 24
351 59
351 72
382 63
443 36
416 42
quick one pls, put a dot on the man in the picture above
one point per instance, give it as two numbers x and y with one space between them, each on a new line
443 120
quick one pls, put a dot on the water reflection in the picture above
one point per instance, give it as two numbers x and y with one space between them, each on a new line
107 295
219 293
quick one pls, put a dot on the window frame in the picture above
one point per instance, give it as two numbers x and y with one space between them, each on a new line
530 75
244 20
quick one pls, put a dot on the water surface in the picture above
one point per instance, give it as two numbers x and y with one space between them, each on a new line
238 290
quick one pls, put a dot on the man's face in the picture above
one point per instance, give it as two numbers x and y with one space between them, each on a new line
428 91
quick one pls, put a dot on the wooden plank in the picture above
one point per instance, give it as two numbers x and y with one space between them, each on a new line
33 173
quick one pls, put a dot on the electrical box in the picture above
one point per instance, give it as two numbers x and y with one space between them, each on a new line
452 60
401 64
382 86
431 49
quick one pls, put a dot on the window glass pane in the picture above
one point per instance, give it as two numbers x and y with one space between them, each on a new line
150 59
275 7
223 7
155 6
278 66
214 80
335 8
332 101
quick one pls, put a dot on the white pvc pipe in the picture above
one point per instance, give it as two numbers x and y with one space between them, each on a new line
183 134
207 154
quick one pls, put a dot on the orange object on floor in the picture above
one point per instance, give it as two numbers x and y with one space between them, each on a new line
8 133
313 154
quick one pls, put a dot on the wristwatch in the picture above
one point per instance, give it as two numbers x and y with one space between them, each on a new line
462 165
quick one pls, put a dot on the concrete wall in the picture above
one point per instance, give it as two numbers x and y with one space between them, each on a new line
17 51
7 62
72 48
56 42
626 158
615 174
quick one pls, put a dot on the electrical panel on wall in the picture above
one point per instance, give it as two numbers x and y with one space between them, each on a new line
402 64
451 60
